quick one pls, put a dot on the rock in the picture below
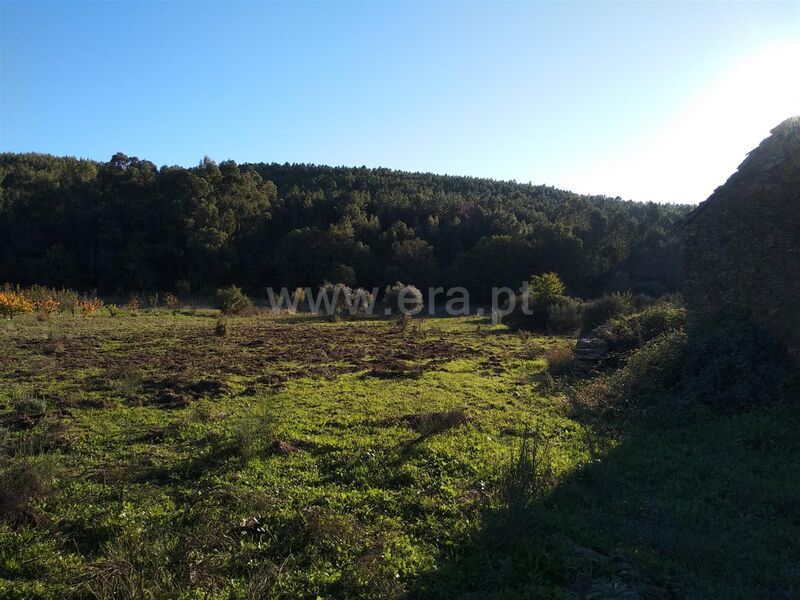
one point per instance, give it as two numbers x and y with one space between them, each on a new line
589 351
284 448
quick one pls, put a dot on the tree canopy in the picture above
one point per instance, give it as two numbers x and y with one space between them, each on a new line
128 225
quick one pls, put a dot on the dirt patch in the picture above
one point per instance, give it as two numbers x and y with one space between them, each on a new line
395 369
270 352
174 392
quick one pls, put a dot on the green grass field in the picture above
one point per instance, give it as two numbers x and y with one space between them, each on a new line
146 457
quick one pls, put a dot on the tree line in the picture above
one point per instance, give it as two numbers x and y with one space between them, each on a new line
126 225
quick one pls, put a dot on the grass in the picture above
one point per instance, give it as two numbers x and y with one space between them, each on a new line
296 458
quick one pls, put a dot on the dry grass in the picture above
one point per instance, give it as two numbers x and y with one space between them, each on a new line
560 360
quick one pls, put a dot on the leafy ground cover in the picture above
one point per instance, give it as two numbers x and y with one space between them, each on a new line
146 456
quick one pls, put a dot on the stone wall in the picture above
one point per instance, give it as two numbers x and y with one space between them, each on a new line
742 246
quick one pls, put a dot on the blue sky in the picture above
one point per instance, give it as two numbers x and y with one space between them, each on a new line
649 101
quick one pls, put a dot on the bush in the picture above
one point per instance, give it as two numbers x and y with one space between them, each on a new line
26 404
401 298
13 303
560 360
338 300
598 311
233 301
564 316
68 300
22 482
362 301
546 288
732 363
90 303
558 316
221 328
651 372
633 331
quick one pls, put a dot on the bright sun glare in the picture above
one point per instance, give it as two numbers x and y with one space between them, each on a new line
703 145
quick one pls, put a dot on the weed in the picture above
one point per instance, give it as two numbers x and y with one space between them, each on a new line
251 434
560 360
128 381
24 403
528 475
221 328
23 481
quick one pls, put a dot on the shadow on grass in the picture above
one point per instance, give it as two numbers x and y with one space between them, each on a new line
693 505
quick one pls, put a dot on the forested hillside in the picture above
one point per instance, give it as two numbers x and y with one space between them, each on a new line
129 225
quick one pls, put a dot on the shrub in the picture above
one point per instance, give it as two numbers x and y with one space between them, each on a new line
128 381
13 303
546 288
433 423
251 434
26 404
564 316
651 372
134 303
171 300
221 328
599 311
68 300
113 310
91 304
560 360
401 298
338 298
362 301
633 331
731 363
299 297
233 301
527 315
22 482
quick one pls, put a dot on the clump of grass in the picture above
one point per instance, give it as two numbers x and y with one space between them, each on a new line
53 344
22 482
251 435
24 403
49 434
528 476
221 328
434 423
430 424
128 381
560 360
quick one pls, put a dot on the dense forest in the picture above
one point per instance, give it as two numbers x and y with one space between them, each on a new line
126 225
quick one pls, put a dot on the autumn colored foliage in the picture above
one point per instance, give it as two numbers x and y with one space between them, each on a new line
12 303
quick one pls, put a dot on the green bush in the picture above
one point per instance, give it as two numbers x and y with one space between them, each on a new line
598 311
233 301
651 372
546 288
527 315
338 300
633 331
732 363
564 316
362 301
411 298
